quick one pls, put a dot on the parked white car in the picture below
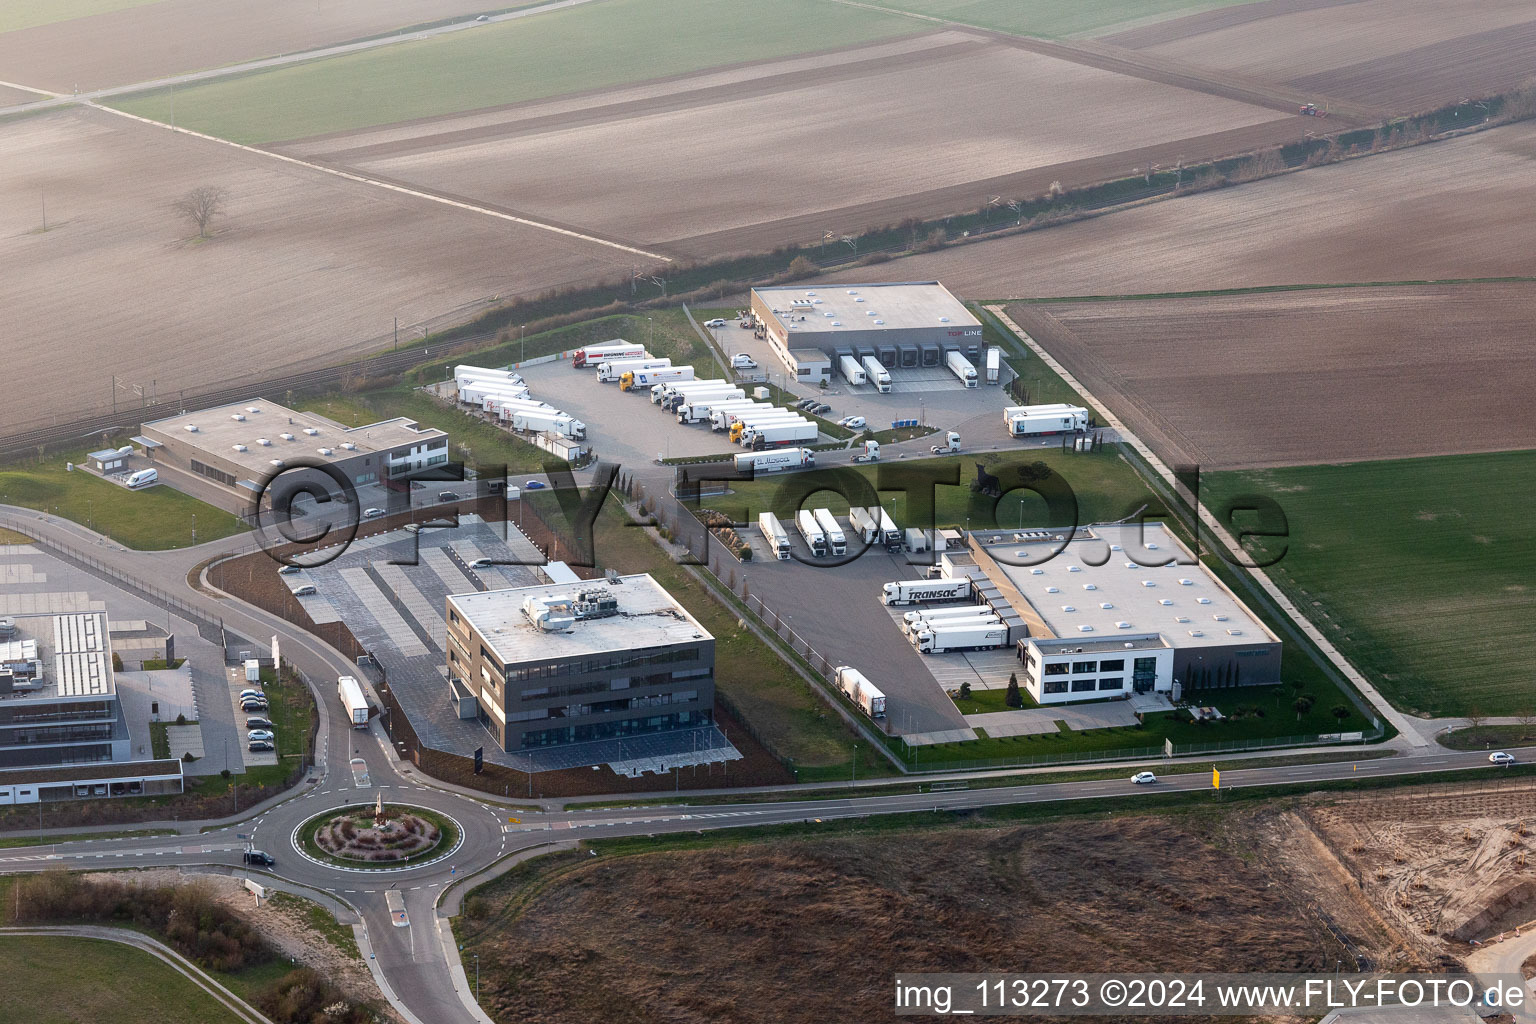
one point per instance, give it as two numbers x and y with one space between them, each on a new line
742 361
716 322
852 422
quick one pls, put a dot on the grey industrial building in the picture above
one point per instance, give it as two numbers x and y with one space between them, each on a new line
573 662
226 453
904 325
62 729
1115 609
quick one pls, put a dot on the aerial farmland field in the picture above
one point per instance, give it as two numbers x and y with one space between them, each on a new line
1308 376
1419 569
929 116
303 269
1406 55
1456 209
60 46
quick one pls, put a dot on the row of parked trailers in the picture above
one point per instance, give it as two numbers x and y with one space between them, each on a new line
988 621
857 370
504 394
751 422
824 535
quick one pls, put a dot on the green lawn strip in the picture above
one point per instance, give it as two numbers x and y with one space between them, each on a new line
773 699
1053 18
1399 562
1488 737
54 979
322 922
36 840
160 664
589 47
997 780
985 702
153 519
159 741
1040 383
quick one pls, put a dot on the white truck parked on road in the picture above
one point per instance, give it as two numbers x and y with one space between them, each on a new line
994 364
860 690
352 699
950 446
773 462
915 591
877 375
778 540
805 522
1035 420
853 371
869 451
837 541
961 367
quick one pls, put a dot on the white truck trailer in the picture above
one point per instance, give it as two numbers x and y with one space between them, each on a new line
738 420
994 364
649 378
744 430
890 537
916 540
943 638
672 402
961 367
466 374
616 349
877 375
610 370
916 591
475 392
805 522
773 532
778 434
718 412
837 541
860 690
352 699
865 525
661 394
536 421
702 410
968 617
773 462
1035 420
853 370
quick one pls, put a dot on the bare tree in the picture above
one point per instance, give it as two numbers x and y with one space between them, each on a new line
1526 716
201 206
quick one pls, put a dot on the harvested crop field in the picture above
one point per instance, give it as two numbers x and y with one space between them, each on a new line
1401 55
172 36
790 149
1316 375
811 929
1455 209
304 268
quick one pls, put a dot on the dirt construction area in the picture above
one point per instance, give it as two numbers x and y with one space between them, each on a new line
1401 55
1301 377
301 270
807 928
758 155
1456 209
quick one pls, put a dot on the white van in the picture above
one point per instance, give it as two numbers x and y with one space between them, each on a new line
143 478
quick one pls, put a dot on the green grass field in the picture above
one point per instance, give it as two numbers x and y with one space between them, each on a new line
1423 571
588 47
19 14
148 520
106 981
1105 486
1054 18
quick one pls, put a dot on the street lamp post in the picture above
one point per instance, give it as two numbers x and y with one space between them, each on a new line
522 349
477 976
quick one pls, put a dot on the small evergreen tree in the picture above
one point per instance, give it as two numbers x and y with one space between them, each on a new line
1014 698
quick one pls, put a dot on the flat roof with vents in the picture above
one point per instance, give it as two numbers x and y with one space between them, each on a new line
647 617
1132 594
897 306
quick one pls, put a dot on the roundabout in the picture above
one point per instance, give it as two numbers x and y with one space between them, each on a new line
385 837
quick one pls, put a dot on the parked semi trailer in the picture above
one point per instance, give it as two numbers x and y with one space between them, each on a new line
1034 420
961 367
853 372
773 462
877 375
661 394
776 434
773 532
594 354
702 410
865 525
806 523
352 699
860 690
916 591
837 541
649 378
941 638
994 364
890 537
610 370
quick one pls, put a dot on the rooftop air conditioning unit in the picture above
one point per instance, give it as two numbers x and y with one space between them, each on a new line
1074 568
278 463
311 431
1036 571
325 451
190 428
349 446
1123 625
1105 604
264 442
1068 608
1085 629
1052 590
253 409
238 417
286 436
240 448
1090 586
1219 618
1186 583
880 321
1203 600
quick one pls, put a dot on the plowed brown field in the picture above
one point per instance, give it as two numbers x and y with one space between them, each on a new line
1406 55
783 151
304 268
1455 209
138 44
1333 375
